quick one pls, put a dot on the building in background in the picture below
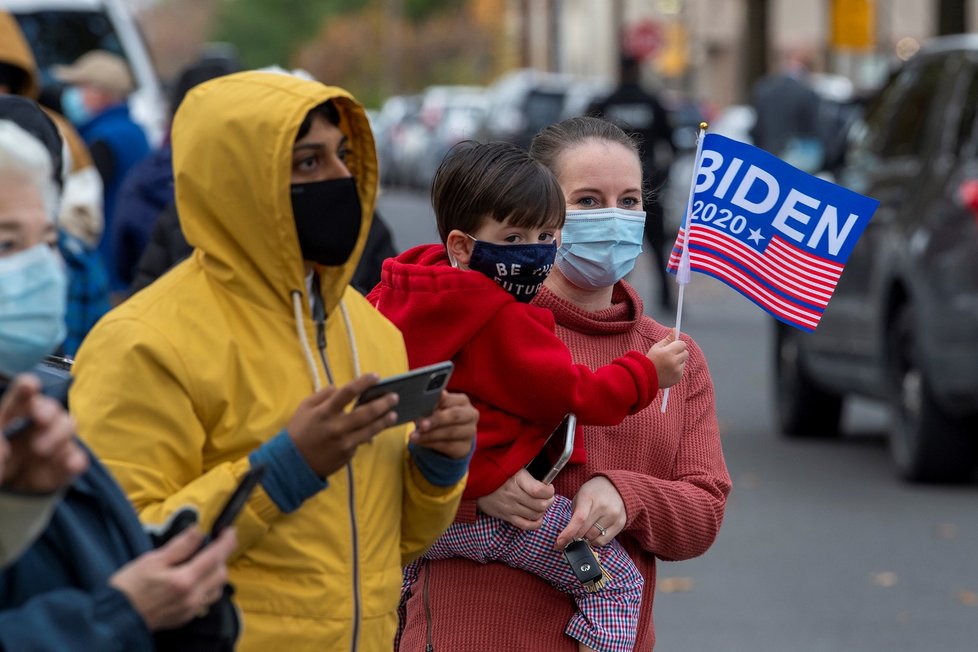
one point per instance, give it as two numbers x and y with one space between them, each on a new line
702 47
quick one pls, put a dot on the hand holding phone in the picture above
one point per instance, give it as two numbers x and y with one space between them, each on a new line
556 451
40 452
418 390
236 502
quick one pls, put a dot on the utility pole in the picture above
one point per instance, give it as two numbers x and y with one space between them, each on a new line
755 43
394 21
952 17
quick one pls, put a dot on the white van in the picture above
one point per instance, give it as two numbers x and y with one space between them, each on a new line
60 31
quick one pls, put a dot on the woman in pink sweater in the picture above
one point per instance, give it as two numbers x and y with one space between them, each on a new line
656 481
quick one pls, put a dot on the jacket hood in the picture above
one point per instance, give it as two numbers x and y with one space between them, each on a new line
422 290
232 158
14 51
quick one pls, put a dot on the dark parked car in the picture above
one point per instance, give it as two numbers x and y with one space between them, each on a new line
903 323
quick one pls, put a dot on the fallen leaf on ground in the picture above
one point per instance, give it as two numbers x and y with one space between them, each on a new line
946 531
969 598
748 481
886 579
675 584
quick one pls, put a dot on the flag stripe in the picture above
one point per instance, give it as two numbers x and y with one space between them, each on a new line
765 269
752 289
782 278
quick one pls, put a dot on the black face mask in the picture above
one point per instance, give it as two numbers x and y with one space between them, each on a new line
327 219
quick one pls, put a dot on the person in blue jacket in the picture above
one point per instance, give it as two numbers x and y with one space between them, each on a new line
92 580
95 101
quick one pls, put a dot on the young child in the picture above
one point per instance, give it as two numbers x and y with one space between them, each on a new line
498 213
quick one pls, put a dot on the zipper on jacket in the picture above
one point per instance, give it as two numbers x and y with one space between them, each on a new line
319 316
429 646
356 559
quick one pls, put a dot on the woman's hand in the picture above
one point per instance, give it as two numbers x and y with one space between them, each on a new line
598 516
172 585
46 457
521 501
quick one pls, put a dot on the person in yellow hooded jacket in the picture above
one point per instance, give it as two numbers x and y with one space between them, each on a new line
251 350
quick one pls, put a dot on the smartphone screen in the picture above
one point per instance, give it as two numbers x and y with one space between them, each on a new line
556 451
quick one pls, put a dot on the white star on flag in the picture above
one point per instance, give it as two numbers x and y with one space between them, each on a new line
755 236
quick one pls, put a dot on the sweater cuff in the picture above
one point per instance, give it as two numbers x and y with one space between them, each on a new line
440 470
288 479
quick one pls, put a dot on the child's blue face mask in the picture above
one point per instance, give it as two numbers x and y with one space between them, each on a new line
520 269
599 247
33 297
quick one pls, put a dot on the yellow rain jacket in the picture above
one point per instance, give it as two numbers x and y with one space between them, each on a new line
174 388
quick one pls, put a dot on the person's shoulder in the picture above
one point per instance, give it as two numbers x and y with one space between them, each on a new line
364 315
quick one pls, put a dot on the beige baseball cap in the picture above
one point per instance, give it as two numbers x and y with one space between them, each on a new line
98 68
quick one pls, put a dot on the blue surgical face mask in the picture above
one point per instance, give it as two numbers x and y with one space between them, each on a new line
599 247
520 269
33 297
74 107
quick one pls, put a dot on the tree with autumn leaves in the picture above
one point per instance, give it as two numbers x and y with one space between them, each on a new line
374 48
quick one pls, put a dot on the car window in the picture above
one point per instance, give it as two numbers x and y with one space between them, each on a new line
543 108
967 128
67 35
908 120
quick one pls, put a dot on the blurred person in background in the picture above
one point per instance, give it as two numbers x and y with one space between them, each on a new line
148 187
35 466
786 113
637 111
658 482
88 294
250 352
80 214
95 101
90 581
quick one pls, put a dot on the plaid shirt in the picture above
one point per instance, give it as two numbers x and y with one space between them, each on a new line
607 619
88 289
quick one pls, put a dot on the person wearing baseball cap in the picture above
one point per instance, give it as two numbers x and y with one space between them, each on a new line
99 83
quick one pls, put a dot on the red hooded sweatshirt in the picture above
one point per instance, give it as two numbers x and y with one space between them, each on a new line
508 360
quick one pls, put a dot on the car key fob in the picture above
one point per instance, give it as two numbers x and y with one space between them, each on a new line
585 565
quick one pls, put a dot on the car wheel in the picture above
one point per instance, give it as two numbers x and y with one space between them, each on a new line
803 408
927 444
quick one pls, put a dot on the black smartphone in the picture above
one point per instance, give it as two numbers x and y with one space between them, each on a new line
556 451
418 389
237 501
55 376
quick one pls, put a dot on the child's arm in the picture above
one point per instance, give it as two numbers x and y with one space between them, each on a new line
517 364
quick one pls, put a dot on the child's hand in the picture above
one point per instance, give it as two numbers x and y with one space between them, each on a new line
669 357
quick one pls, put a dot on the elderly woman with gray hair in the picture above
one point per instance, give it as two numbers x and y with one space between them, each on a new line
90 580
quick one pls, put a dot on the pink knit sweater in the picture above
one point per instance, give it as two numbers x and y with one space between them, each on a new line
668 468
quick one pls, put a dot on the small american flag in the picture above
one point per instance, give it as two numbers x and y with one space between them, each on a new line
775 234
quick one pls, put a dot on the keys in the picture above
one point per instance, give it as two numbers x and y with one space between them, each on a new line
585 565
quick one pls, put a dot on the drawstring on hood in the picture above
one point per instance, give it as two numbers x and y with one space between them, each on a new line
307 351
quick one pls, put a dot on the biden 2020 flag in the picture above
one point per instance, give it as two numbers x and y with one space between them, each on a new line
777 235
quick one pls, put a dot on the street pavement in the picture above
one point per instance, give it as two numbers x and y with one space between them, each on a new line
822 548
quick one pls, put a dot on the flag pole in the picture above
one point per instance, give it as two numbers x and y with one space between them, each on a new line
683 272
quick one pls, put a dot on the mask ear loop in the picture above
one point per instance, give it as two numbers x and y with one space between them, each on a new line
451 259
